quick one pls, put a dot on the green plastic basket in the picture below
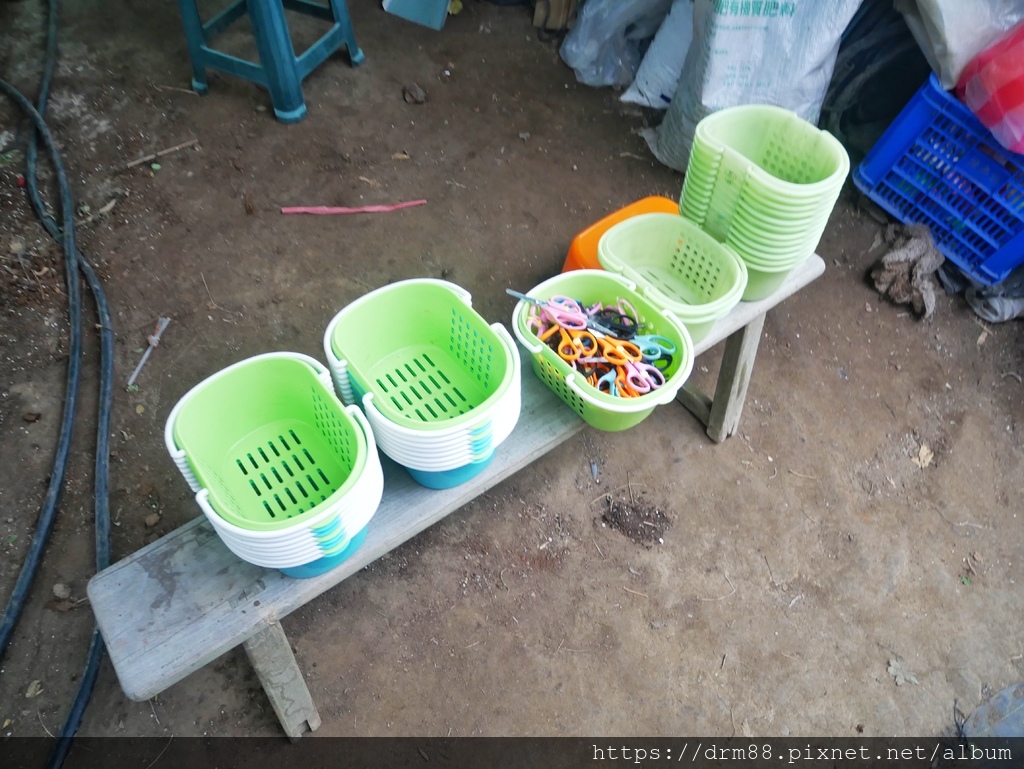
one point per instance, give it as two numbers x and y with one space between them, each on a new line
269 440
677 266
429 359
762 282
791 158
766 160
598 409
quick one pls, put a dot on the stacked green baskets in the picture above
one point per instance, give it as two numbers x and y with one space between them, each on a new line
764 181
287 475
440 387
599 409
677 266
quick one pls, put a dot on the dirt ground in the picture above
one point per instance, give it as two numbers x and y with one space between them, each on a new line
804 561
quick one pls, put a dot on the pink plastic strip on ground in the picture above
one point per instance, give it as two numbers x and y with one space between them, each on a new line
328 210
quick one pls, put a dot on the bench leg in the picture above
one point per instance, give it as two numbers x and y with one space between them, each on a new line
733 378
696 402
272 659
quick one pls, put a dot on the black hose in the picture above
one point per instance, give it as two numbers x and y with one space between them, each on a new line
74 261
102 465
106 331
49 64
49 508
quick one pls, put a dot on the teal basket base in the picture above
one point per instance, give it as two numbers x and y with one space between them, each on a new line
447 479
324 565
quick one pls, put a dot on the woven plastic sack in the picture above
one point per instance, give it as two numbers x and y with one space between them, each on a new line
992 86
779 52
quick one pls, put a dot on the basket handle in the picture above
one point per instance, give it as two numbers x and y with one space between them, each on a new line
642 286
462 294
501 331
203 500
364 424
373 415
178 455
371 409
459 291
608 261
313 363
656 295
534 347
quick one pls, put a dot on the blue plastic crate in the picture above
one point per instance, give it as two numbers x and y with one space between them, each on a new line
937 165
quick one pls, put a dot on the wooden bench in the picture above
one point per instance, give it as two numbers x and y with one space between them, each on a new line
178 604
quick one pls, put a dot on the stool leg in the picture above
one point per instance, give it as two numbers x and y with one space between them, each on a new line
277 56
341 18
196 40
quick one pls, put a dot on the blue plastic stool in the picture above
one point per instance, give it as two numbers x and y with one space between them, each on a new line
279 70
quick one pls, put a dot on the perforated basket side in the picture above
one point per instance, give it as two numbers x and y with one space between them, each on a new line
796 156
696 268
338 431
555 380
476 351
